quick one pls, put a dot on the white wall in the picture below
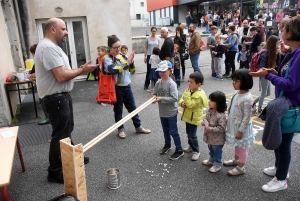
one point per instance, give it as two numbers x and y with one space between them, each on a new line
136 8
167 12
103 18
157 16
152 18
7 66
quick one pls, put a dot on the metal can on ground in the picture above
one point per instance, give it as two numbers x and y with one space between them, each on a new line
113 178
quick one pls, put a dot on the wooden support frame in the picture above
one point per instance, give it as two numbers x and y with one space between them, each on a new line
73 157
73 169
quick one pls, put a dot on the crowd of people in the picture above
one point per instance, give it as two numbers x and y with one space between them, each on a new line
278 54
271 53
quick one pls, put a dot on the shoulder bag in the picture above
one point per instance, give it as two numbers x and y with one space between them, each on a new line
185 55
290 122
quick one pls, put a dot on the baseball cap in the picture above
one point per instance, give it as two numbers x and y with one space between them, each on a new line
163 66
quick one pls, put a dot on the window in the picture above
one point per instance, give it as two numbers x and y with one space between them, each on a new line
138 16
142 4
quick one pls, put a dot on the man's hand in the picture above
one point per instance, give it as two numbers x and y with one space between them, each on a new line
88 67
183 105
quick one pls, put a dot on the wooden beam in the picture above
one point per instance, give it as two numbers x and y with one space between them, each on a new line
116 125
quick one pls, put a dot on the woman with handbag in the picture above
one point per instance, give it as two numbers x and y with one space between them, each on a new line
180 39
120 67
151 42
289 84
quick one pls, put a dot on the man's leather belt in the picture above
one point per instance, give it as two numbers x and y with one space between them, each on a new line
55 95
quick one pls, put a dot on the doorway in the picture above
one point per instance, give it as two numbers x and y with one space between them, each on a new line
76 46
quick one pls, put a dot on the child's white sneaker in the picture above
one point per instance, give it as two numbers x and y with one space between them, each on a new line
237 171
195 156
214 169
271 171
231 162
274 185
207 162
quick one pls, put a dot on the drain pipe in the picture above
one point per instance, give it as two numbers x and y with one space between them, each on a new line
20 29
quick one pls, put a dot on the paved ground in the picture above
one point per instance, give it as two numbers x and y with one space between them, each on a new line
136 155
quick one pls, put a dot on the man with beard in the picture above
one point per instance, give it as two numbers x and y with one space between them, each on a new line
244 34
194 47
54 78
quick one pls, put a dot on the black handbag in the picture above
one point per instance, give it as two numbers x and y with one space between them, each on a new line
185 55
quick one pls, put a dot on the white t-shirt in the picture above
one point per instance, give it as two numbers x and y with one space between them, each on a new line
49 55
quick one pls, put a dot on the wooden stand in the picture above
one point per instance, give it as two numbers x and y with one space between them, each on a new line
73 169
73 158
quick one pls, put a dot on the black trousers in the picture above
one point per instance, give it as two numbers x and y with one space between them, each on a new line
230 63
244 64
147 81
182 65
60 110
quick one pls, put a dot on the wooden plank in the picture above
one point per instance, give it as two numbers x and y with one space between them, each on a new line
73 169
7 153
108 131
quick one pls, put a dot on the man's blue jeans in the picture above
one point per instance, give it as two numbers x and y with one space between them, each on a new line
125 96
207 28
194 59
191 131
169 126
283 156
215 152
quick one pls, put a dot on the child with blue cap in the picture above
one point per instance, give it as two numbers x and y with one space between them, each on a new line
166 95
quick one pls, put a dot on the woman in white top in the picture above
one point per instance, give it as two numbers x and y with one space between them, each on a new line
151 42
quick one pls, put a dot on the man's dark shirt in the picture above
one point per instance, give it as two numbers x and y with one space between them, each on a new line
167 49
188 19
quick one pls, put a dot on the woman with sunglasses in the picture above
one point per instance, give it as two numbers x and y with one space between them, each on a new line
120 67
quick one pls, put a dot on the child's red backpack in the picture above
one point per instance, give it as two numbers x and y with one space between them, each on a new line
254 64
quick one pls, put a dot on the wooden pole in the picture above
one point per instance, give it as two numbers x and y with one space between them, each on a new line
116 125
73 158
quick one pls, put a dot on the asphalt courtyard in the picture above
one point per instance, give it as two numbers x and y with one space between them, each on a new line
144 173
